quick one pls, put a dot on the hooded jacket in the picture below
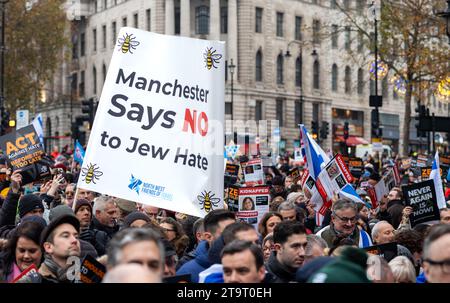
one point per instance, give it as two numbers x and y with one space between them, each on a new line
198 264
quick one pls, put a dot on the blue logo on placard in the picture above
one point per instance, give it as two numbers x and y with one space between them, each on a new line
135 184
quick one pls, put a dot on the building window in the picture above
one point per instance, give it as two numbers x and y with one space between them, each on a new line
94 38
360 41
384 88
82 44
360 82
258 66
81 87
258 19
104 72
136 20
114 32
259 110
74 46
95 6
348 80
334 36
316 31
279 112
316 75
280 69
105 4
103 36
228 108
372 87
333 4
298 71
202 20
177 20
315 113
124 21
334 78
298 111
347 37
279 24
298 28
360 5
224 19
148 18
346 4
94 80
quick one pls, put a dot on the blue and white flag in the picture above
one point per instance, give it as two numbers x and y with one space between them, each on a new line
316 158
39 127
436 177
78 153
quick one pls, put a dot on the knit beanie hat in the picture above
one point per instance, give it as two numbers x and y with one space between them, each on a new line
82 202
29 203
59 211
128 220
350 267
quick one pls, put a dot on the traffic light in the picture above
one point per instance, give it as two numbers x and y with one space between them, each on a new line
88 108
421 112
76 133
324 130
346 134
4 124
375 125
315 130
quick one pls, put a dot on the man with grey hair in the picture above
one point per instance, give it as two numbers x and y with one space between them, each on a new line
315 247
383 232
106 214
131 273
141 246
436 254
344 216
290 212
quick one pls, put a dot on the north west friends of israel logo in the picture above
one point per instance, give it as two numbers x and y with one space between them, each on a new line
149 189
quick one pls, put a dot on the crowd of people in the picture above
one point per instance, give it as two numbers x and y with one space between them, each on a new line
51 224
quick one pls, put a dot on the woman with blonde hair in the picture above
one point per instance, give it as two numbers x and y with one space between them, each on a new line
403 270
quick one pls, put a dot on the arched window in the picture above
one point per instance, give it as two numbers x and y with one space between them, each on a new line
348 80
258 66
316 75
202 20
360 82
94 80
104 72
334 78
280 69
298 71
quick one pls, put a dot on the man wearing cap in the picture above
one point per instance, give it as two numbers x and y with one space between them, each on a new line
60 242
125 208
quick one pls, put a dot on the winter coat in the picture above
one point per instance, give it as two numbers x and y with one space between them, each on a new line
277 272
329 234
9 209
199 264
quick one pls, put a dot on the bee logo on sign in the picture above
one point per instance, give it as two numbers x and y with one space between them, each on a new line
91 173
211 58
207 200
127 43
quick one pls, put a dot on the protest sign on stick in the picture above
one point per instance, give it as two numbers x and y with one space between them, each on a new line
253 204
422 198
253 172
157 137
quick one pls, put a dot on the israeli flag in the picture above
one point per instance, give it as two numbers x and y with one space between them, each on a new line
316 158
39 127
78 153
436 177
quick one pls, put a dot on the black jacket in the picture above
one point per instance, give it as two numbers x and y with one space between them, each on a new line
99 235
9 209
277 272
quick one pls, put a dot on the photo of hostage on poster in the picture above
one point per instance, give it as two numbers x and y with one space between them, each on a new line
25 152
253 172
253 204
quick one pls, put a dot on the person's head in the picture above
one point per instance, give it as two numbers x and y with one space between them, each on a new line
268 223
69 193
243 262
374 178
151 211
395 194
83 212
106 211
30 205
60 239
296 198
413 241
198 230
344 216
363 211
131 273
85 194
172 229
248 204
278 184
378 270
445 215
403 270
275 203
240 231
135 219
215 222
315 247
125 207
268 246
436 254
288 211
288 182
170 260
137 245
290 243
23 246
382 232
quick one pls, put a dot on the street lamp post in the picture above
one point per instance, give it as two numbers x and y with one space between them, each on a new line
232 67
446 15
2 67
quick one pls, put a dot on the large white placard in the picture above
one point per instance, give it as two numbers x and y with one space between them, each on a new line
158 136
